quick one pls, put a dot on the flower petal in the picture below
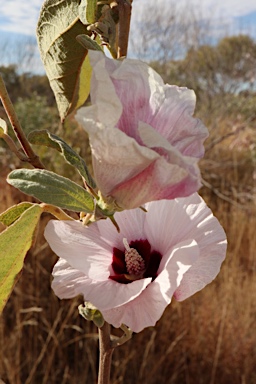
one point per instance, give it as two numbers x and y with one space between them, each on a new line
206 268
68 282
153 183
146 309
174 121
184 231
109 294
188 218
145 143
116 157
81 247
131 224
103 93
144 97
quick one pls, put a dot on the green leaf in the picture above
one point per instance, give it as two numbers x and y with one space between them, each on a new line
91 313
88 43
15 241
87 11
3 127
51 188
66 62
13 213
48 139
43 137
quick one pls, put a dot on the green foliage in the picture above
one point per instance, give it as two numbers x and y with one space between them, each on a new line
34 113
13 213
53 141
88 43
222 77
12 81
15 241
89 312
87 11
223 68
238 55
51 188
23 85
65 60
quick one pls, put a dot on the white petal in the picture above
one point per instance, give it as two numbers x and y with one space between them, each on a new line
164 222
140 313
69 282
178 261
152 139
145 98
117 157
205 269
131 224
188 218
148 307
135 83
174 121
103 94
110 294
179 217
82 247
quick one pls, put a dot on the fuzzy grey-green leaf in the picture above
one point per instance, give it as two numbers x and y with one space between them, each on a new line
50 140
65 60
42 137
53 189
88 43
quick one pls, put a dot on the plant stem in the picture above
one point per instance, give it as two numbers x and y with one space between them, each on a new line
106 351
13 148
125 11
32 158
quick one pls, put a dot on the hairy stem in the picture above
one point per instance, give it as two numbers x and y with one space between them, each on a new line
106 351
125 11
13 148
32 158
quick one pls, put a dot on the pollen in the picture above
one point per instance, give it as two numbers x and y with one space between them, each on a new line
135 264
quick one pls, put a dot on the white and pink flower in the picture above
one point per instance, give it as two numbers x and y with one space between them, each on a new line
145 143
174 249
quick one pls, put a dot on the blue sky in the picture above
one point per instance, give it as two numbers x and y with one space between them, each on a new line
18 19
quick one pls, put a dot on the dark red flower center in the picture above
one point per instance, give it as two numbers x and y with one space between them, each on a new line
136 261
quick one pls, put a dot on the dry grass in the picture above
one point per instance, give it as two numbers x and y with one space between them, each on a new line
209 338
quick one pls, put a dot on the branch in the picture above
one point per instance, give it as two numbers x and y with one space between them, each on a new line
32 158
107 345
13 147
124 11
106 351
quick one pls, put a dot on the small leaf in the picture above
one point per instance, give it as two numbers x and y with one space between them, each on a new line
43 138
91 313
48 139
15 241
3 127
53 189
88 43
87 11
66 63
13 213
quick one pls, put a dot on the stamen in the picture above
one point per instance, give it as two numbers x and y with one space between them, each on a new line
135 264
126 245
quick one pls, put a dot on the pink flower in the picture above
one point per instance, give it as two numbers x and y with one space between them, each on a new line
145 143
174 249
